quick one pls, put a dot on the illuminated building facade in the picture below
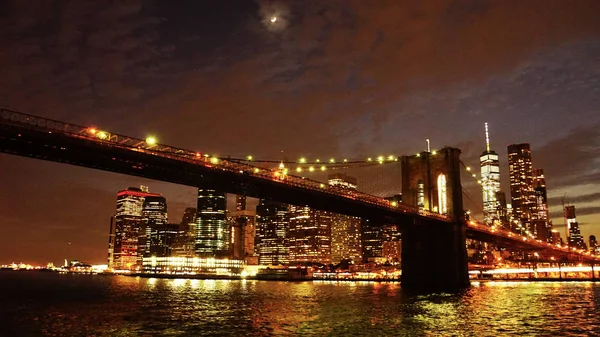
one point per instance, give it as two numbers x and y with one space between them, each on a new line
490 180
212 232
154 215
556 237
192 266
345 230
392 244
521 185
126 227
541 222
575 238
309 236
271 242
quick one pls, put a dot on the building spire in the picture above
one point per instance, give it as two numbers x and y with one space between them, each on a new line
487 138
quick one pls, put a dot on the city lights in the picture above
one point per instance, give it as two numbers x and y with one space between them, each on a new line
249 158
151 140
302 160
214 160
311 169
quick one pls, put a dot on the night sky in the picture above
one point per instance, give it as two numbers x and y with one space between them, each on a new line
346 78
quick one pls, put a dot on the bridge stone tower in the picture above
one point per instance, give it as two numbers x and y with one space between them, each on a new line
434 252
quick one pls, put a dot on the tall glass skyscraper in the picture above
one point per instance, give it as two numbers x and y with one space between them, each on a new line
490 180
575 238
154 214
522 193
272 221
541 221
212 232
126 227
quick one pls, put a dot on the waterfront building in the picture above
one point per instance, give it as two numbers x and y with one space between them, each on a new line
126 226
192 266
521 185
490 180
575 239
272 221
212 232
309 236
345 230
154 215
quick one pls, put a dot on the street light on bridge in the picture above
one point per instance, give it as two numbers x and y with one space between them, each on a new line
151 140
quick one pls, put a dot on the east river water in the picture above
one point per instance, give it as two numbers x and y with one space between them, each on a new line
49 304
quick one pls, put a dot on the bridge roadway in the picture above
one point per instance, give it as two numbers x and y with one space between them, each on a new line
41 138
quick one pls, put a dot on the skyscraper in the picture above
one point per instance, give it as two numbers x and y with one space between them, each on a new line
372 240
490 180
212 232
309 236
154 215
539 216
521 184
593 245
575 239
185 242
272 221
162 238
126 228
345 230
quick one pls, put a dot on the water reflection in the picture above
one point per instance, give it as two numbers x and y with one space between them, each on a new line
111 306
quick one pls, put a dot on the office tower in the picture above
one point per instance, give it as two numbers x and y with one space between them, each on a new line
575 239
521 185
111 243
212 232
162 238
345 230
391 244
539 215
372 240
127 226
309 236
185 242
490 180
593 244
154 214
272 221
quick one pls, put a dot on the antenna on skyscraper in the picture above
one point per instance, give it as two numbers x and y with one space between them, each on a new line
487 138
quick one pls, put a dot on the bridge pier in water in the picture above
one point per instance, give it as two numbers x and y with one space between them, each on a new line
434 253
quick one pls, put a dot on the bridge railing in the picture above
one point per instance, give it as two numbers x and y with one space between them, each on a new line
149 146
530 241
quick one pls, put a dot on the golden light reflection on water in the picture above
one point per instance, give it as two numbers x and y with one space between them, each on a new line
111 306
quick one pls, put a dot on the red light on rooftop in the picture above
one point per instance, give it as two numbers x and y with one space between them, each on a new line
92 131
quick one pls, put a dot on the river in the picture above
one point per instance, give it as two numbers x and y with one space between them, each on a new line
51 304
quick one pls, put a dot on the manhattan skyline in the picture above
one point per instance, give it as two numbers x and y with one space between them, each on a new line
308 85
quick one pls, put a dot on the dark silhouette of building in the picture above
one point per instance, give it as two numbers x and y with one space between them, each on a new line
575 239
162 238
